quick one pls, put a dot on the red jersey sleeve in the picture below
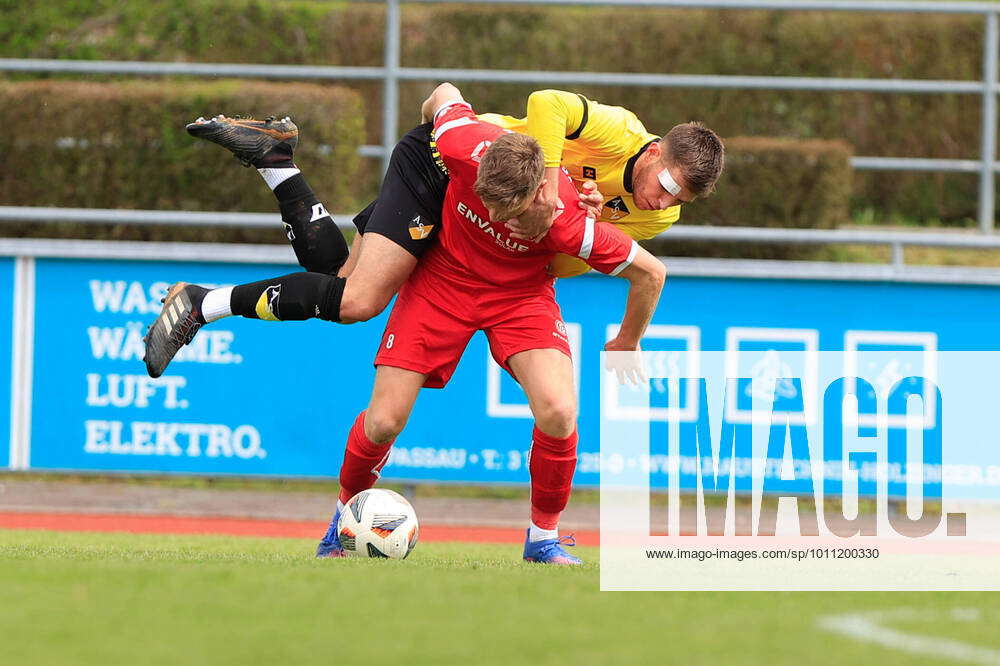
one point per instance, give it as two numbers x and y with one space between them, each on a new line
461 138
606 248
603 246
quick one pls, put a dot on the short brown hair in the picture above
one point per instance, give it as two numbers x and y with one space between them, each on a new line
510 172
699 154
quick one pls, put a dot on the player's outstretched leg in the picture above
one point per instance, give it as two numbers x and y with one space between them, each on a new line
550 551
268 145
547 377
179 321
369 442
257 143
363 461
188 307
553 461
329 545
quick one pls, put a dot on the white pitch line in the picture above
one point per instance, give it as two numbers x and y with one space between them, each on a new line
868 627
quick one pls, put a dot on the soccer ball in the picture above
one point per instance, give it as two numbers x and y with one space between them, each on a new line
378 523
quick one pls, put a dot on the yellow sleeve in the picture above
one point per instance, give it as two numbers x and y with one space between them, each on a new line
643 225
553 116
565 266
610 132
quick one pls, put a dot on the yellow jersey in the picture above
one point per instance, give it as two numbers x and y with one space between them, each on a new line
592 141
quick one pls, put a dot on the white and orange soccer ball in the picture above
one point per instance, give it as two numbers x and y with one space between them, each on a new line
378 523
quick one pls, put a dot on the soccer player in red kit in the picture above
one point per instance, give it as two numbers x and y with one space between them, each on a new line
480 278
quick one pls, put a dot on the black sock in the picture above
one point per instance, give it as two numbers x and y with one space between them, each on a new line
290 298
319 244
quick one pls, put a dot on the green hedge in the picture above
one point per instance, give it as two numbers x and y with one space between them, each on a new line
123 145
773 183
779 183
591 39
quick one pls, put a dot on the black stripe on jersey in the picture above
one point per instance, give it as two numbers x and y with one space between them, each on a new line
583 121
630 166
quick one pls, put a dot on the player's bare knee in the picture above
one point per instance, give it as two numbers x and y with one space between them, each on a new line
556 417
370 307
354 309
381 427
357 307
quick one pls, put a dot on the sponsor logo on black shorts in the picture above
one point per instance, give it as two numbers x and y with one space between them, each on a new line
419 230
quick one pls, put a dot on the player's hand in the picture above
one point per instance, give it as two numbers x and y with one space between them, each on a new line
534 223
591 199
626 362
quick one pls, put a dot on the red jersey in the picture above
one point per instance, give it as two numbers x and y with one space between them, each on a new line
474 249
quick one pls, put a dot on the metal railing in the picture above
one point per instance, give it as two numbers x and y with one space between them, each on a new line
897 241
392 73
676 266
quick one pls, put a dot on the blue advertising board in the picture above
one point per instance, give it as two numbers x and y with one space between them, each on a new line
6 345
246 397
262 398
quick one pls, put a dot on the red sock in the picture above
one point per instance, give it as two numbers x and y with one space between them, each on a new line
553 461
363 460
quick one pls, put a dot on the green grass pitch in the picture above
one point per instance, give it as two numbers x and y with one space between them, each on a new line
73 598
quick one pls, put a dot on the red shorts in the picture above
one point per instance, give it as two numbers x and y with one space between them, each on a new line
435 316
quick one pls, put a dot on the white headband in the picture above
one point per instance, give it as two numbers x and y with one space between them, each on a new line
668 182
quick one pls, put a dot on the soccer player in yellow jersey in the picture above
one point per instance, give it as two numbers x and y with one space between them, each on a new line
643 178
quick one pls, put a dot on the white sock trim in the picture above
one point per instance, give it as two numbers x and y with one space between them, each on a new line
217 304
536 533
275 177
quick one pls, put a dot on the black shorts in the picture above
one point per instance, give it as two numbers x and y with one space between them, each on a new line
408 208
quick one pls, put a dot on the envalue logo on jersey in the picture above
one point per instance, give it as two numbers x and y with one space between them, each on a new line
486 226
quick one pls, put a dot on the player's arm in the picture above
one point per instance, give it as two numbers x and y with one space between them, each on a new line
552 117
458 134
445 94
614 253
556 116
646 275
608 250
591 199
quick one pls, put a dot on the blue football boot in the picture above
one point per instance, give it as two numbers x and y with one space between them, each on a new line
550 551
330 546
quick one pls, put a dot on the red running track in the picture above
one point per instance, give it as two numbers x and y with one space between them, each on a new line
294 529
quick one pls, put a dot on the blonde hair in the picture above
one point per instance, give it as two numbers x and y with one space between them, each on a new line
510 172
